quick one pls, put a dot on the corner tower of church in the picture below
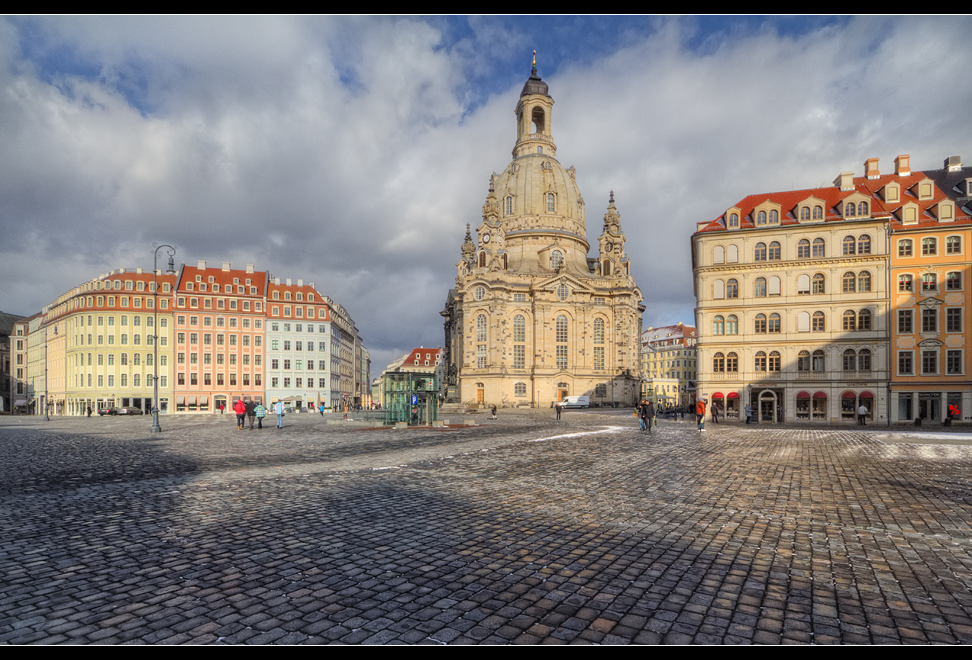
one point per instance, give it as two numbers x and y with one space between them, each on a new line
532 319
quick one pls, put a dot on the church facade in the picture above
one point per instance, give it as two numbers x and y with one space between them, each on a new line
532 318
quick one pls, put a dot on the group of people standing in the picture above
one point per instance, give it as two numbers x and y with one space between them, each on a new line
255 410
646 415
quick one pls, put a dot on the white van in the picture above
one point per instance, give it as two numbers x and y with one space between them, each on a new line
576 402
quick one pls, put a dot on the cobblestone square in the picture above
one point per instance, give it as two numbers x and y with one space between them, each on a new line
522 530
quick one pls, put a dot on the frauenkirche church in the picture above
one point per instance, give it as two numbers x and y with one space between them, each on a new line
532 319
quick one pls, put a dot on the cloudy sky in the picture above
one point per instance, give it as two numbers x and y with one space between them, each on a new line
352 151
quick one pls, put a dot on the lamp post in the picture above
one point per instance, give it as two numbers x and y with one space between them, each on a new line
155 338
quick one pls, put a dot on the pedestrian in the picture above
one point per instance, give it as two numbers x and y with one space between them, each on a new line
715 412
700 414
279 409
650 414
861 415
240 409
251 411
320 409
222 407
260 413
493 411
89 410
558 407
749 413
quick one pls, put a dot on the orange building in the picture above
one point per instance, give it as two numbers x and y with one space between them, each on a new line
219 336
930 257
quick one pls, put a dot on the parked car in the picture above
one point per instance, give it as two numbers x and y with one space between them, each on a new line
129 410
107 411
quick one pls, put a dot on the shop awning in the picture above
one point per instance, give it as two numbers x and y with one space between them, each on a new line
733 395
848 395
819 395
803 395
718 395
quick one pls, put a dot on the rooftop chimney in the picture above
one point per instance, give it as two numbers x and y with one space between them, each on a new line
226 266
902 165
845 181
288 281
953 163
201 265
249 268
871 168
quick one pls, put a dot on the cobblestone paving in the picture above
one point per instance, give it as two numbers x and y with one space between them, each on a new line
524 530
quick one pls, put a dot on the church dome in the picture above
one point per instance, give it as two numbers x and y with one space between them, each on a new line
536 192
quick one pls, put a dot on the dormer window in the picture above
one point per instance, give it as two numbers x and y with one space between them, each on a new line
925 189
551 204
556 259
946 211
761 218
850 210
818 213
862 210
733 221
892 193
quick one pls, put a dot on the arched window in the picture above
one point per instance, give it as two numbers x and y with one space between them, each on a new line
732 288
803 247
774 251
849 210
606 268
803 285
598 331
482 261
849 360
719 255
732 363
759 325
761 218
774 322
819 361
759 287
508 209
774 361
733 220
818 213
805 213
818 322
862 209
864 360
774 217
561 338
556 259
759 254
849 320
819 248
849 244
732 325
718 289
718 363
481 327
819 283
864 281
864 320
759 362
519 328
864 244
803 361
732 254
551 204
849 282
718 325
773 287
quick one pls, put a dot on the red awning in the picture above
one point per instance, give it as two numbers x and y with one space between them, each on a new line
819 395
866 395
803 395
718 395
848 395
733 395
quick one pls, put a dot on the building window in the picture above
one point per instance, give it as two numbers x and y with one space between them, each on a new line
481 356
818 322
760 287
774 361
732 363
850 360
953 245
773 254
953 362
819 283
774 323
929 247
905 247
819 248
519 356
598 331
519 328
864 244
929 362
519 389
760 324
732 289
906 363
718 325
551 207
848 244
953 281
929 320
561 329
863 281
803 361
849 320
803 247
759 253
732 325
905 321
556 259
849 283
929 282
906 283
733 220
819 361
718 363
953 319
561 356
599 358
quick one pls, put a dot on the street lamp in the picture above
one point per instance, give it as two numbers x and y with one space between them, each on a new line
155 338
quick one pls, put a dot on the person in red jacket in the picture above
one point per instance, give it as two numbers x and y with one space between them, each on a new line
700 413
240 410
